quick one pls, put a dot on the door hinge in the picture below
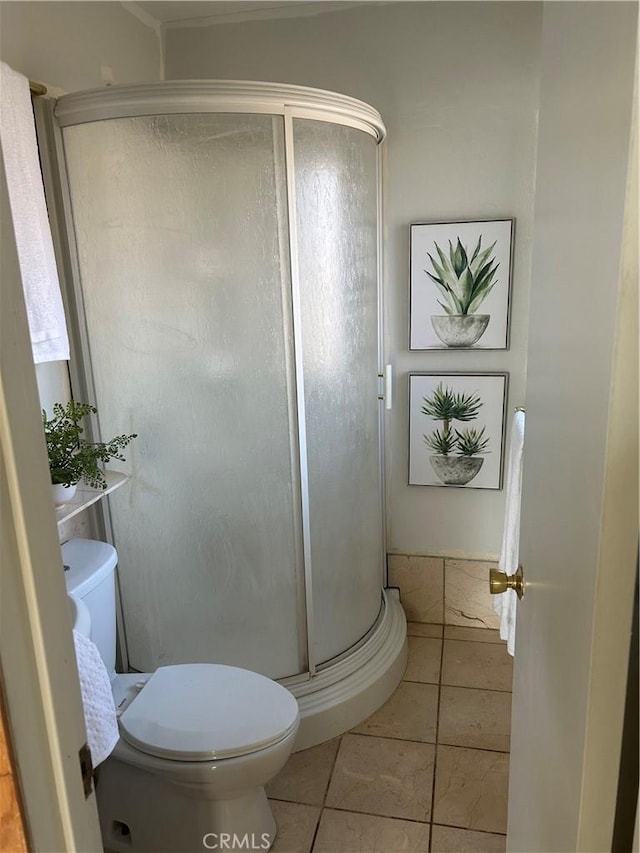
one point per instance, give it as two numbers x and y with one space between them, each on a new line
86 770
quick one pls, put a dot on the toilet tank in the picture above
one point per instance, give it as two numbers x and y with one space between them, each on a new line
91 577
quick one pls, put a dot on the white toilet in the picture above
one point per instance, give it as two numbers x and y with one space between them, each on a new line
198 742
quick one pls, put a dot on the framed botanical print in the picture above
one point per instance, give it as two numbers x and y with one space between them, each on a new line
456 429
460 285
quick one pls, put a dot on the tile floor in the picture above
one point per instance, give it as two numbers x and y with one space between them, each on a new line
427 773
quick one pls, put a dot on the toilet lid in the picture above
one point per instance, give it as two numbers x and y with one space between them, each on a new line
198 712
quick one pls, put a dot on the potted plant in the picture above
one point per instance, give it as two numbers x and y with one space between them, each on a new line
71 457
464 283
457 453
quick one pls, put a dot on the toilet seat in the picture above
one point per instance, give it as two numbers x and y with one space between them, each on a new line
200 712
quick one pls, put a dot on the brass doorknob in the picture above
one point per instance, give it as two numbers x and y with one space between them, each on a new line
501 582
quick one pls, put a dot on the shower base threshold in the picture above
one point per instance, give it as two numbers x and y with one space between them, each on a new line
346 691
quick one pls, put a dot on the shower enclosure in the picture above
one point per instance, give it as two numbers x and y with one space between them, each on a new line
225 247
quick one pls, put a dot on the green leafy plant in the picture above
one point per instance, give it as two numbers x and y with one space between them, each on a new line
463 282
441 442
446 405
470 442
71 457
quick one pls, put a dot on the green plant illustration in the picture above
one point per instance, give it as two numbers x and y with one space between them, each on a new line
443 442
470 442
446 405
71 457
463 282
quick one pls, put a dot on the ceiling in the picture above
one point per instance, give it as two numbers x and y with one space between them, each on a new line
177 12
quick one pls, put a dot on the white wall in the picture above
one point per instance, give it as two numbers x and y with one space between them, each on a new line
457 86
73 46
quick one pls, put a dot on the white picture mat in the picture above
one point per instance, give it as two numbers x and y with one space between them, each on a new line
492 390
425 294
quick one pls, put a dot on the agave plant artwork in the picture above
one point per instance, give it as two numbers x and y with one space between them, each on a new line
464 281
457 453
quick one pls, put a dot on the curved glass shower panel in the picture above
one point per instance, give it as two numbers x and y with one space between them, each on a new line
336 200
181 224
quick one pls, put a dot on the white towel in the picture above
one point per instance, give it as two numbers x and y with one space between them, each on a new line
505 604
47 324
97 699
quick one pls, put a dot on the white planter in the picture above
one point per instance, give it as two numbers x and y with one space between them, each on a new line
456 470
460 330
63 494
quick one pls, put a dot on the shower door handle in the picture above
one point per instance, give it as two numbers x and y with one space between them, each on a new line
387 386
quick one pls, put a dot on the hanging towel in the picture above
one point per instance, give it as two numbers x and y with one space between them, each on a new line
97 699
505 603
45 312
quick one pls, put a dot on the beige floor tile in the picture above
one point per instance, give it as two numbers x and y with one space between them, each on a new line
347 832
471 788
475 718
296 827
478 635
392 778
424 629
420 580
409 714
446 839
484 665
305 776
424 660
467 598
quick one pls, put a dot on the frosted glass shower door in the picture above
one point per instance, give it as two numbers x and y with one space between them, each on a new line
181 228
336 199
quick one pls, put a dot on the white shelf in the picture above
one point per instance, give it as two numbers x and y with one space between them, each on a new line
86 497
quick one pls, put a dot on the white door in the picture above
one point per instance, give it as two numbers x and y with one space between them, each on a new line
40 685
579 539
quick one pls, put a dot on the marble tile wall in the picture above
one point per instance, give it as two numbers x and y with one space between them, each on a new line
442 590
